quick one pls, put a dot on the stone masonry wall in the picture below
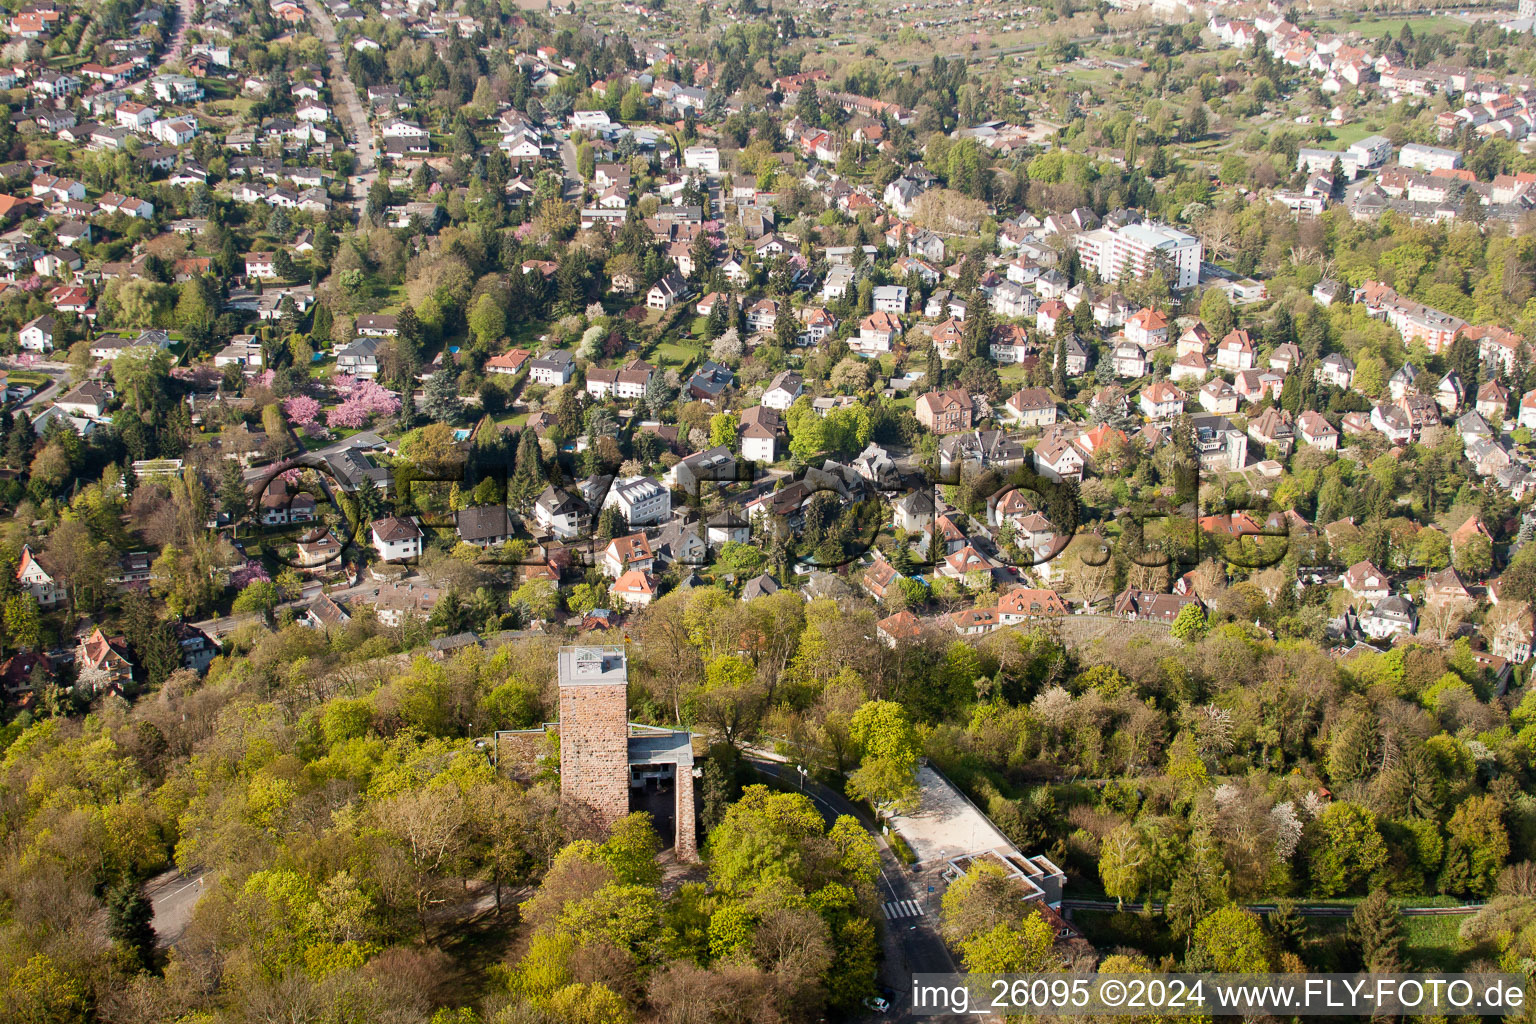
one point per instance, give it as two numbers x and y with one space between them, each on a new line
686 846
594 748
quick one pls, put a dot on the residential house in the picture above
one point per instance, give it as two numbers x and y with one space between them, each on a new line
635 588
552 369
624 554
563 515
877 333
1023 603
1219 398
102 663
1032 407
944 412
762 429
38 581
483 526
640 500
1161 400
1146 606
396 538
36 335
1057 458
1147 328
1366 583
1236 351
787 386
1316 431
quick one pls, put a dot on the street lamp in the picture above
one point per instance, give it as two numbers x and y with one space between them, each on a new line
801 769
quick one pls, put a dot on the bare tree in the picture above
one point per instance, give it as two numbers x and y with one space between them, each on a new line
429 830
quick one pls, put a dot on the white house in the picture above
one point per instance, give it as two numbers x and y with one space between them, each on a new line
552 368
891 298
561 514
1058 459
37 581
702 158
640 500
37 334
396 538
785 387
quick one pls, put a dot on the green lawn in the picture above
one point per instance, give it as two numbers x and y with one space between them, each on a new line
1378 27
676 353
1351 133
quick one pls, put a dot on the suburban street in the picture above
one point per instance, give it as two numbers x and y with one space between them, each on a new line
174 45
912 943
57 374
349 107
569 169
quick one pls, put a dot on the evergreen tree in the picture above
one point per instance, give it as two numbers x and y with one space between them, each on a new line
153 642
715 324
1286 926
19 442
784 327
978 327
1313 333
703 256
409 326
611 524
320 327
234 498
1376 934
808 105
527 475
1059 368
129 921
1082 319
443 404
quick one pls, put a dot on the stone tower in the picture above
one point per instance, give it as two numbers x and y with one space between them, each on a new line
594 729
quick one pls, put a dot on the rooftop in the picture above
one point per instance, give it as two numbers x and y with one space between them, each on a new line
592 666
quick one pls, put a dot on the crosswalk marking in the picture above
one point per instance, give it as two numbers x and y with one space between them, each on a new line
903 908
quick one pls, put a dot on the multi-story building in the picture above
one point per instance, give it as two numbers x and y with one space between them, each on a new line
944 412
1429 158
640 500
1138 249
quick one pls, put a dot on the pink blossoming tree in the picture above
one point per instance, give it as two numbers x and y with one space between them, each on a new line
364 401
301 410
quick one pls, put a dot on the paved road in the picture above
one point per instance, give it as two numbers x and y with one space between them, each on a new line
42 395
912 943
172 896
348 107
57 373
569 168
174 47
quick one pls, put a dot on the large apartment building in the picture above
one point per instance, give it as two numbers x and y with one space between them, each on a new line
1136 249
